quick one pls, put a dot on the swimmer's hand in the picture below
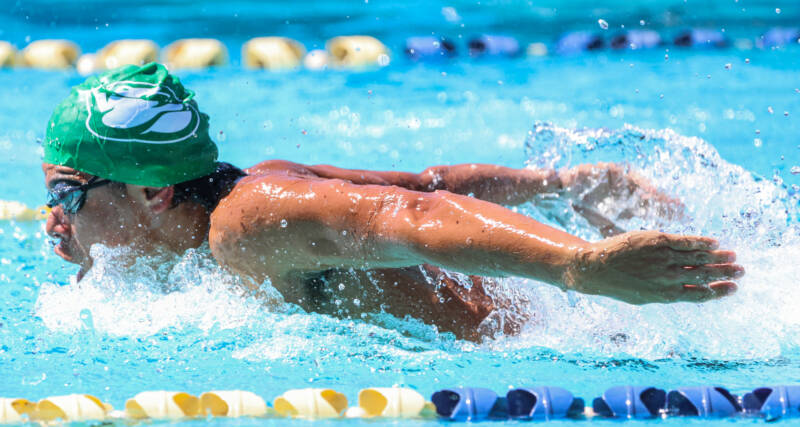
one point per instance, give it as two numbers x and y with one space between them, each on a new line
644 267
604 193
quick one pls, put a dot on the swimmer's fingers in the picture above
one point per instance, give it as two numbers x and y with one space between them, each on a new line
710 273
687 243
696 258
677 242
715 290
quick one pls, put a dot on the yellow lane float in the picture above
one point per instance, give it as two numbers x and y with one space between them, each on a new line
310 403
232 403
50 54
7 54
16 211
13 410
357 52
195 53
162 404
118 53
71 407
272 53
396 402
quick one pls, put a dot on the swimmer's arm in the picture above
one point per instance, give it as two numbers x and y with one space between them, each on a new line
586 185
492 183
307 226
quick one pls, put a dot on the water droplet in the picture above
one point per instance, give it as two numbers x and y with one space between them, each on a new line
383 60
728 66
770 110
602 23
357 302
341 286
795 170
86 319
284 223
747 60
786 114
757 142
641 22
344 232
778 10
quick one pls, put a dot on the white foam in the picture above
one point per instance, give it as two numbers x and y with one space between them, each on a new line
149 296
753 216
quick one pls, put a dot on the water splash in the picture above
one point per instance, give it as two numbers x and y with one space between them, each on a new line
150 295
181 297
754 216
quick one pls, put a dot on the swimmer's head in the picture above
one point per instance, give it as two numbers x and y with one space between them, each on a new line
128 162
136 125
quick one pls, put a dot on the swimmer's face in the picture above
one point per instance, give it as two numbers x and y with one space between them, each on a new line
109 216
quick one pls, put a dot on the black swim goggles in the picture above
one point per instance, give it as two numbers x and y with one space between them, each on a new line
71 197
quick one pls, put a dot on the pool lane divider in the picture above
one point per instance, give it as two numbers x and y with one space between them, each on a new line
454 404
362 51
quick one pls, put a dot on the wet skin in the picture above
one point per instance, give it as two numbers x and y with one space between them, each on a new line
376 240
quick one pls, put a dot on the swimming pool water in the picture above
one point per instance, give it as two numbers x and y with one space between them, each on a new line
728 155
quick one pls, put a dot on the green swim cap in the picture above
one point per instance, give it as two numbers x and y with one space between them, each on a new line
136 125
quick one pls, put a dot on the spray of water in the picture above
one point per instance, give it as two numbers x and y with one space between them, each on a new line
755 217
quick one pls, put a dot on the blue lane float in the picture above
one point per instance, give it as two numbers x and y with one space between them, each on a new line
577 42
702 402
469 404
543 404
636 39
429 48
773 402
494 46
701 38
630 402
778 37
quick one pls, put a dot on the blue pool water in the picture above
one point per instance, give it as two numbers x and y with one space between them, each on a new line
718 129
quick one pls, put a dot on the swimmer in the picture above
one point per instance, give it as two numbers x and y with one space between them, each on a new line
128 161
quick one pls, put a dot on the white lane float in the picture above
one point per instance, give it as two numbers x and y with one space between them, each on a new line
394 402
310 403
316 59
272 53
195 53
357 52
71 407
162 405
232 403
50 54
14 411
8 54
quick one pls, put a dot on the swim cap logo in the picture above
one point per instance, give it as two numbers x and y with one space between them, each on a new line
130 111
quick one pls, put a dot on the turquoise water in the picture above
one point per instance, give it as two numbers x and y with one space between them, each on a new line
716 128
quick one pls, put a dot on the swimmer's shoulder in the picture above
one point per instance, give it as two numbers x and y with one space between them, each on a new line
280 167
